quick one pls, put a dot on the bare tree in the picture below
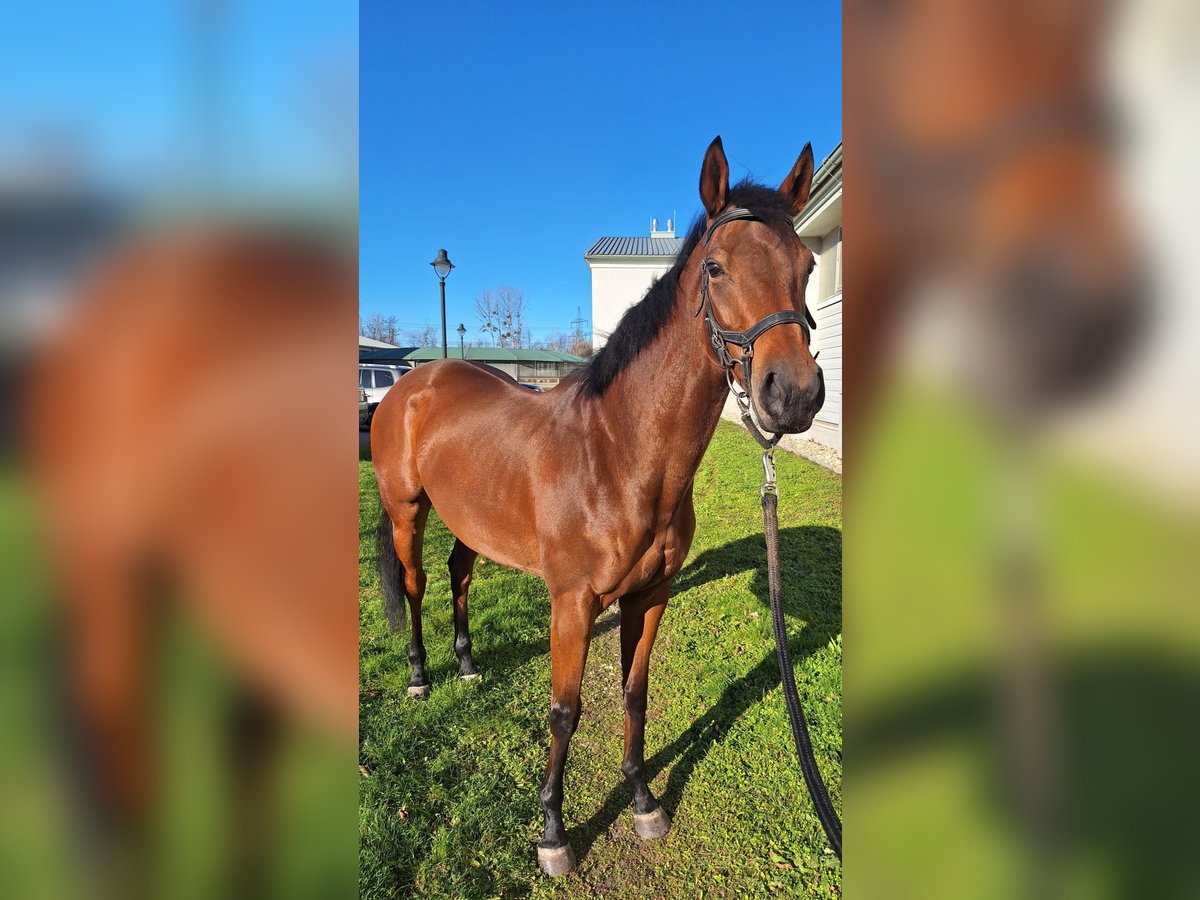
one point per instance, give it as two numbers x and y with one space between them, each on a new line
556 340
574 342
379 327
487 311
512 301
425 336
501 313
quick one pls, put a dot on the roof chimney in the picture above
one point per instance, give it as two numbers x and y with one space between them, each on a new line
669 232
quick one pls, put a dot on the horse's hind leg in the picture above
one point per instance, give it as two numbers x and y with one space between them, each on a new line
107 692
462 563
408 536
108 634
255 730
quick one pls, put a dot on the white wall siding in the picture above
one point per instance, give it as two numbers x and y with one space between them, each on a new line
617 286
827 342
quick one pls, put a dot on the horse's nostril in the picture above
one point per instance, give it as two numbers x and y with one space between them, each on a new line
766 387
773 390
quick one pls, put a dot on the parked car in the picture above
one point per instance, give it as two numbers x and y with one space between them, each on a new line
531 386
364 407
377 379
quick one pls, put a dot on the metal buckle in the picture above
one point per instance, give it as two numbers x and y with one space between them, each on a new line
769 486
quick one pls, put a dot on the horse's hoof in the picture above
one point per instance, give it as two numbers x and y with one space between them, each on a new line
651 825
474 676
555 861
418 691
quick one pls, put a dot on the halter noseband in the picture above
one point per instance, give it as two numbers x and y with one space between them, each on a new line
719 336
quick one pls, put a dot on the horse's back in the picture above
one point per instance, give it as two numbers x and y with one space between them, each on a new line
450 400
472 440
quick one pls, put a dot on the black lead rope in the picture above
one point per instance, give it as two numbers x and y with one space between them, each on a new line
808 763
719 336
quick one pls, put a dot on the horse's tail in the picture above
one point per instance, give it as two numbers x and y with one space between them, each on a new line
391 573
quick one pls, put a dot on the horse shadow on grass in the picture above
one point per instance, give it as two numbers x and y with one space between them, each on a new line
1120 745
811 569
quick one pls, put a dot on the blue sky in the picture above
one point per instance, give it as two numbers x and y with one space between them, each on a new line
515 136
115 84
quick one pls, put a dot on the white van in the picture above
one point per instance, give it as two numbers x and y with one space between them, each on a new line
377 380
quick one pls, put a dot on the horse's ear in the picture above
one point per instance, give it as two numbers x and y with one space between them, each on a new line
714 178
799 181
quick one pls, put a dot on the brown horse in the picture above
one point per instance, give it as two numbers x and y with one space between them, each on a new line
979 145
189 426
589 486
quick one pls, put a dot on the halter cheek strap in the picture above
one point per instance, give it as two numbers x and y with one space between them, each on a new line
719 336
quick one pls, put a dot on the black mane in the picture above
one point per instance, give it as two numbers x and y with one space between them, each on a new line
645 320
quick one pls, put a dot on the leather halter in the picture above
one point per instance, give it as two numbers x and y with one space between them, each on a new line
908 173
719 336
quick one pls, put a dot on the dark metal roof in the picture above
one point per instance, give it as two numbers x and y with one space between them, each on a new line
635 246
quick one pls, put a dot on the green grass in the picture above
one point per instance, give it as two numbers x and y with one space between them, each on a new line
1113 608
448 804
42 835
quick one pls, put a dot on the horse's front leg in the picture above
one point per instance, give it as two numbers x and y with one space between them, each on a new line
571 620
640 614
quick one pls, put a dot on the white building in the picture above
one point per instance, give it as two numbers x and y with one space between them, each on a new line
624 267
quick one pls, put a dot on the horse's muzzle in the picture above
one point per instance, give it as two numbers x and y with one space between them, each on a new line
787 404
1066 339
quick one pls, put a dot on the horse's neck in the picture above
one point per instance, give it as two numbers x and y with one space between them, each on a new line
671 395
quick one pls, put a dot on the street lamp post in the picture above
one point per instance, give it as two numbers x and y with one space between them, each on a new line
462 330
442 266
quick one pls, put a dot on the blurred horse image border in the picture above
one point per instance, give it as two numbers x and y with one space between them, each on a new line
982 143
187 462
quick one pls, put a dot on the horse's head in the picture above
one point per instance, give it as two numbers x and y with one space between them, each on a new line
754 267
1061 284
986 130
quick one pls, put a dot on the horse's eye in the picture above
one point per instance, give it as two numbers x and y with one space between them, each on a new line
714 270
812 264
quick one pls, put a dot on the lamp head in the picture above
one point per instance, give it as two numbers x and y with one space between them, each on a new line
442 265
